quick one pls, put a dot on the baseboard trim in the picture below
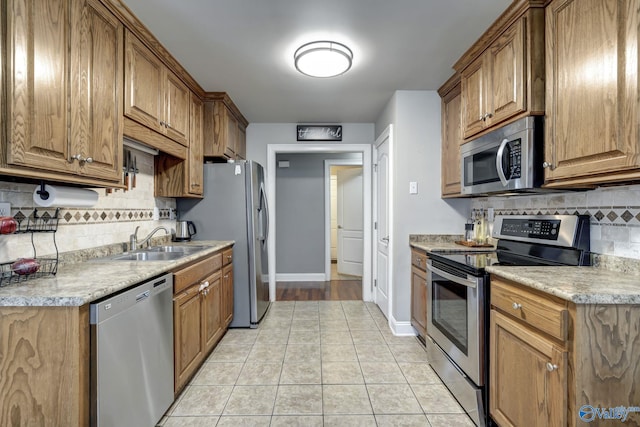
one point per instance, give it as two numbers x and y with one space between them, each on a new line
402 329
300 277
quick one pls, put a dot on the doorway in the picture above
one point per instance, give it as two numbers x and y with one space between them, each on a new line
344 219
365 150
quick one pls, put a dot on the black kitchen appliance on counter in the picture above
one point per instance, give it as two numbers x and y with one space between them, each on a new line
458 296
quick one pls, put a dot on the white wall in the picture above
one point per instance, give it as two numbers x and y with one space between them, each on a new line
417 153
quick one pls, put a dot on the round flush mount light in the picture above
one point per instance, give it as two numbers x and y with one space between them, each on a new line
323 59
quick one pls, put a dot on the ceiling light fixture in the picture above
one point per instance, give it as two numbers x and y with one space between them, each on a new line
323 59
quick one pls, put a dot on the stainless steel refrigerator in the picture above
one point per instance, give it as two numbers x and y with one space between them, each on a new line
234 207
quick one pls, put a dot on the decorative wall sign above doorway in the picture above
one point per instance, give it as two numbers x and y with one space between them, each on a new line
319 133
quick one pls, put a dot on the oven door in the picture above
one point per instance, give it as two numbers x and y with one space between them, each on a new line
455 317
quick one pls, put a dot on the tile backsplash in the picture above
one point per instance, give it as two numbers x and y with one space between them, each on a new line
614 214
114 217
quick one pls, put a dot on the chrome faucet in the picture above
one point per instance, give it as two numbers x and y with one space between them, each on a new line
133 239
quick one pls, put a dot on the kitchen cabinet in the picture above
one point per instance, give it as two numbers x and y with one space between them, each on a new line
175 177
451 137
198 315
224 129
64 92
549 356
154 96
419 292
591 128
502 74
227 286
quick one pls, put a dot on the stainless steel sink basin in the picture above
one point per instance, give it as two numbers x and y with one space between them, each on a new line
156 253
148 256
176 248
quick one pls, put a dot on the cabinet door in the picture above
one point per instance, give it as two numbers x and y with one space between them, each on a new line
144 81
96 89
176 115
187 335
38 85
505 90
211 312
473 97
194 178
419 300
241 142
592 88
232 133
528 384
451 139
227 294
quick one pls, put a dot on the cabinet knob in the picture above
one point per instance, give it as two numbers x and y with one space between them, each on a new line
481 118
516 306
162 123
547 165
488 115
168 125
81 159
551 367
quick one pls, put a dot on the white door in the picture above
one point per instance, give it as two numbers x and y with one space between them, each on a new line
350 221
382 234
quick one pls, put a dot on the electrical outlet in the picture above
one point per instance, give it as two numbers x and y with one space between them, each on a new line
5 209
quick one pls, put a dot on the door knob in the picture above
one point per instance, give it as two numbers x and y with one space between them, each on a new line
340 227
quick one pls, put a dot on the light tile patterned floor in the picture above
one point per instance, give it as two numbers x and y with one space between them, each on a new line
317 363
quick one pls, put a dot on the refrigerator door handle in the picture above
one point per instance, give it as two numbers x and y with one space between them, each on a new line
266 208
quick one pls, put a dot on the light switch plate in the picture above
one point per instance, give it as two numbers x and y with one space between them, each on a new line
413 187
5 209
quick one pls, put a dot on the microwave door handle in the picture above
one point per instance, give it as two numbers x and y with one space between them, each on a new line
499 156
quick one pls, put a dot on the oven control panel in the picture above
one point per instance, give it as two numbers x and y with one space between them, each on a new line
546 229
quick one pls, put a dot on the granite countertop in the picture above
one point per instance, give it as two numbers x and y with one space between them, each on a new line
580 285
81 283
609 282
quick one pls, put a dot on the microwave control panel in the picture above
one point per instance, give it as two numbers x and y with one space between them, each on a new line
547 229
515 159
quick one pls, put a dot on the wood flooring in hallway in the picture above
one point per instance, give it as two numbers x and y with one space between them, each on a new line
334 290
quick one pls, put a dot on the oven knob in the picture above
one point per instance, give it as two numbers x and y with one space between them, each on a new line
516 306
551 367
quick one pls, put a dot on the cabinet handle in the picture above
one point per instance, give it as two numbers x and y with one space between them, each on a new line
162 123
226 276
168 125
206 284
516 306
547 165
551 367
481 118
193 184
488 115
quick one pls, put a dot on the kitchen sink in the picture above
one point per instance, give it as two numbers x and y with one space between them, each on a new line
156 253
176 249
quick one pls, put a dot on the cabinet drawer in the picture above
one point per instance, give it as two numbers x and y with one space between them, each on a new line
197 271
545 313
419 259
227 256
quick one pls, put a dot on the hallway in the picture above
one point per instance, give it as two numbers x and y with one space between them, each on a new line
317 363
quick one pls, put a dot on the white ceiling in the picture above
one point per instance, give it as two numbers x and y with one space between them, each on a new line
245 48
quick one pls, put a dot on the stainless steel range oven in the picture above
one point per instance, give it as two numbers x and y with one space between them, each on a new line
458 297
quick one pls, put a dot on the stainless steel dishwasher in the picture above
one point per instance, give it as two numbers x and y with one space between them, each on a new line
132 355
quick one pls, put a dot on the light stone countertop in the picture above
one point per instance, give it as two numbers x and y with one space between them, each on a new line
580 285
81 283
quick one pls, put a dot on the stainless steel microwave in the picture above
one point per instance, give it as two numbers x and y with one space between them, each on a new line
508 159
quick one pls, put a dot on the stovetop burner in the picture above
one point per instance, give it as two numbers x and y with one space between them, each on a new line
474 261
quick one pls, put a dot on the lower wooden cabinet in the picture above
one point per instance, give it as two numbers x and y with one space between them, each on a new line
187 335
419 292
200 314
528 376
227 294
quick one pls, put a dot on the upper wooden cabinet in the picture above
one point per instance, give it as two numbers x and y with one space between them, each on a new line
224 129
502 74
175 177
591 128
451 137
154 96
64 105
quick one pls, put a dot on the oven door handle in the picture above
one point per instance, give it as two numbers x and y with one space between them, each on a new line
499 156
470 283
